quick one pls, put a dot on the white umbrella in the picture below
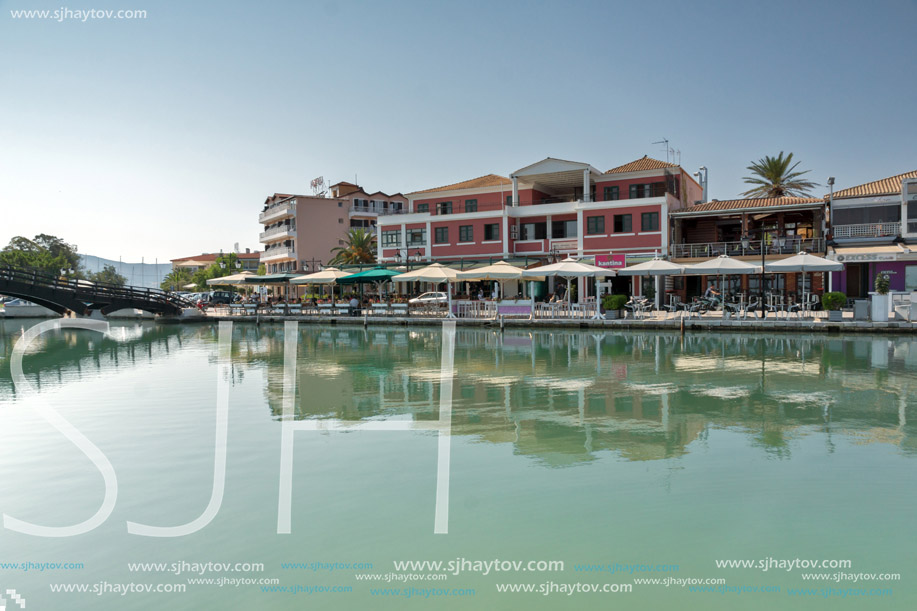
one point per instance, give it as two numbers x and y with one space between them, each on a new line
655 267
436 273
499 272
804 262
328 275
724 265
568 269
233 280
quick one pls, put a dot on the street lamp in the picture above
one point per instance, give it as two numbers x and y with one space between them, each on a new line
779 243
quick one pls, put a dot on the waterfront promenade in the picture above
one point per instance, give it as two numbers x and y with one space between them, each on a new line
708 322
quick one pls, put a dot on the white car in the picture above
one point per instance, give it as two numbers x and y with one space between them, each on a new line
429 299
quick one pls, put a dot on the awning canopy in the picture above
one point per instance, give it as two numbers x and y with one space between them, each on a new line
329 275
375 275
435 272
270 279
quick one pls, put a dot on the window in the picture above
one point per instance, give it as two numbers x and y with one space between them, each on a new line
611 194
649 221
655 189
340 204
444 208
391 238
423 207
471 205
563 229
491 232
441 235
417 237
466 233
509 200
622 223
534 231
340 221
595 225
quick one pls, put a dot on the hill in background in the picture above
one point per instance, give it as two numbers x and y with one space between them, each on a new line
146 275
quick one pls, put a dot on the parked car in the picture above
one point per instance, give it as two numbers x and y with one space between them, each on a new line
220 298
429 299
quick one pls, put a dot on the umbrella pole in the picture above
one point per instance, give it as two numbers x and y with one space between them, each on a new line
449 313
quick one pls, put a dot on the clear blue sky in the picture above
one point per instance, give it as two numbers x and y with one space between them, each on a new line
161 137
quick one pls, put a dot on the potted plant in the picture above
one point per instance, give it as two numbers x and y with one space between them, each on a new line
880 299
833 302
613 305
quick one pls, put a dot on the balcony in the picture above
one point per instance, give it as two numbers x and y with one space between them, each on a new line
373 209
277 211
277 254
866 230
707 250
277 233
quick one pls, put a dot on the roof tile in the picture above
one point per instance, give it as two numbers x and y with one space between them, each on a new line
886 186
744 204
490 180
644 163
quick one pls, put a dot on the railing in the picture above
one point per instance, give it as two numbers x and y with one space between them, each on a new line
276 253
736 249
275 211
92 292
866 230
374 209
283 230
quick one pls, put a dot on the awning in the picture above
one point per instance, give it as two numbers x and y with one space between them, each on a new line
865 254
270 279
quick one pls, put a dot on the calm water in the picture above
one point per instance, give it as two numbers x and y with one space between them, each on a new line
587 448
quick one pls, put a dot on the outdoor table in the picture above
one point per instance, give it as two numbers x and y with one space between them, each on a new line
325 308
236 309
295 308
400 309
251 309
342 309
379 308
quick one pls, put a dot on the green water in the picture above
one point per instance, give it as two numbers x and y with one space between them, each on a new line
594 449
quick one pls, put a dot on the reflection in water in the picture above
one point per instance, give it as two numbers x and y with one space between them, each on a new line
560 398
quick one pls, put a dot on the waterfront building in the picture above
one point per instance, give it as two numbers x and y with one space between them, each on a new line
250 261
746 229
299 231
872 229
544 212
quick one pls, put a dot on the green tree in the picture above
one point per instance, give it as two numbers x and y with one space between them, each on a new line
108 275
176 279
45 253
775 177
360 248
262 270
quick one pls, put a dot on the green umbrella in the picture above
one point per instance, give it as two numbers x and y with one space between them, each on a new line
377 275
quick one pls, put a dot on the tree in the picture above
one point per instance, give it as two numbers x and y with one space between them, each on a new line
176 279
45 253
262 270
358 249
775 177
108 275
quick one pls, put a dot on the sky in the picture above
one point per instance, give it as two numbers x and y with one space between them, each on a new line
161 137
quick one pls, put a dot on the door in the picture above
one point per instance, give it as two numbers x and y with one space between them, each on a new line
856 280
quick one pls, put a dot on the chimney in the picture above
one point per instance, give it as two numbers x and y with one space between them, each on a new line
248 251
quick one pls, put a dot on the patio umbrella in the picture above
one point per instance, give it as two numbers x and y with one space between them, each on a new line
233 280
377 275
654 267
276 279
568 269
804 262
435 272
499 272
328 275
722 266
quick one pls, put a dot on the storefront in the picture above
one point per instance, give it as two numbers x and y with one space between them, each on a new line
863 264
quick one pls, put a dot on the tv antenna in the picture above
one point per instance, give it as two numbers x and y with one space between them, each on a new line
665 141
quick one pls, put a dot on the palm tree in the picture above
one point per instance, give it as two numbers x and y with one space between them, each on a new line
358 249
774 177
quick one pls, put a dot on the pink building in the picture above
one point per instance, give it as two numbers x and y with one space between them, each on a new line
545 211
301 230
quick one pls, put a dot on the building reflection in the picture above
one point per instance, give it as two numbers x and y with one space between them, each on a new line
558 398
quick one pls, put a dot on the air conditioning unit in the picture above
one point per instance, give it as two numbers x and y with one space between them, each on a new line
514 232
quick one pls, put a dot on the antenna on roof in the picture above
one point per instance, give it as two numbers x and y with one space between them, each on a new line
665 141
